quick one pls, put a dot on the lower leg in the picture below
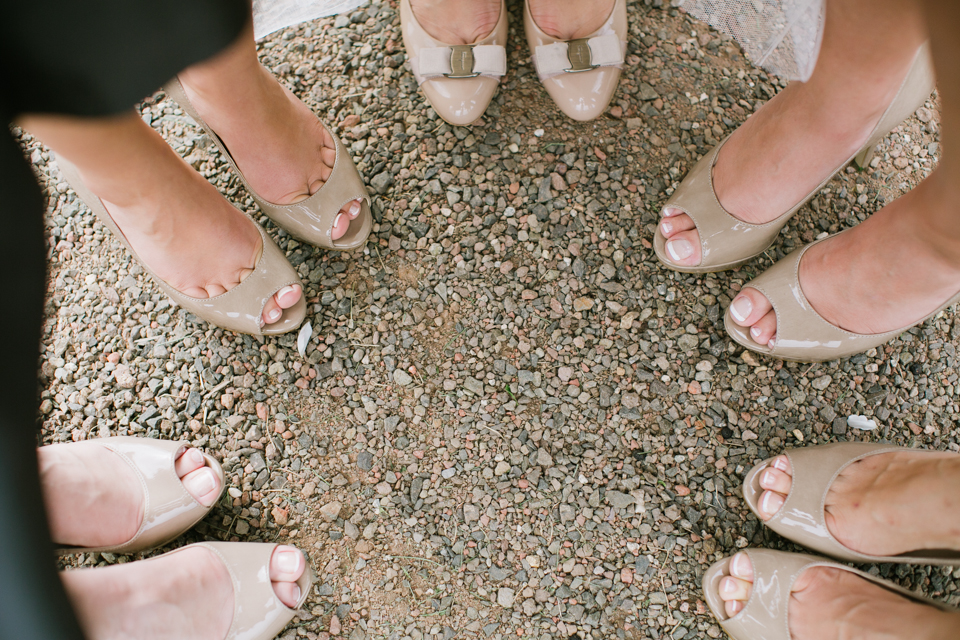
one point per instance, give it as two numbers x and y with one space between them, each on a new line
283 150
153 196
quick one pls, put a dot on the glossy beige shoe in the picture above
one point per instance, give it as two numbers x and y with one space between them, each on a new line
168 509
459 81
241 308
257 612
580 75
801 518
765 615
725 241
310 220
803 335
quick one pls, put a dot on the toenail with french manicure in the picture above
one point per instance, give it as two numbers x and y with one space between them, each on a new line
767 503
768 478
290 288
296 592
200 483
670 211
736 565
336 221
771 342
780 464
741 309
728 586
755 332
666 227
679 249
274 315
288 561
354 208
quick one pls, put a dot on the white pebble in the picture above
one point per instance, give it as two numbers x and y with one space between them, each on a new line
861 422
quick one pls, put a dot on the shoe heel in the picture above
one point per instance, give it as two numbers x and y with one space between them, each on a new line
865 156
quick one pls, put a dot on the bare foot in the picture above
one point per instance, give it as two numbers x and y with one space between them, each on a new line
457 21
94 499
570 19
183 596
832 604
886 504
284 152
865 280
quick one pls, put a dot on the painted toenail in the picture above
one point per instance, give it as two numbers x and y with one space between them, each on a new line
768 478
728 586
195 456
736 565
200 483
288 561
741 309
767 503
679 249
755 332
274 315
670 211
336 221
772 342
780 464
296 592
355 208
666 227
290 288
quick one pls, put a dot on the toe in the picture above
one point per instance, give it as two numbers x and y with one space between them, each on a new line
748 307
773 480
670 226
770 503
288 296
203 484
764 330
734 589
271 311
286 564
341 224
189 460
684 248
741 567
288 593
733 607
782 463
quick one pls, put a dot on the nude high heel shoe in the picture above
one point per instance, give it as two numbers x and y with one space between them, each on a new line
310 220
241 308
725 241
458 80
580 75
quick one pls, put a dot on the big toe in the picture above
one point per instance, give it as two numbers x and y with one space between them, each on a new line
287 564
341 223
203 484
683 248
735 588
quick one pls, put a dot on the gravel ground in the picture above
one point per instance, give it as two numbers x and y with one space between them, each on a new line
511 421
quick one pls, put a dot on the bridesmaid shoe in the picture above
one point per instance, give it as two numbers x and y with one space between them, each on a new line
725 241
765 614
168 509
257 612
458 80
241 308
803 335
801 518
580 75
310 220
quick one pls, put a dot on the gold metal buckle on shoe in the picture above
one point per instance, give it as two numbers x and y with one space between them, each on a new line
461 62
580 56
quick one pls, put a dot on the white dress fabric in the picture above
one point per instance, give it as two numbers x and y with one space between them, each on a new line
272 15
782 36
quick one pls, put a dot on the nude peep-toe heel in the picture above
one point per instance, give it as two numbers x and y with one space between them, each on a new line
168 509
310 220
459 81
765 616
581 75
241 308
801 518
725 241
803 335
257 612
